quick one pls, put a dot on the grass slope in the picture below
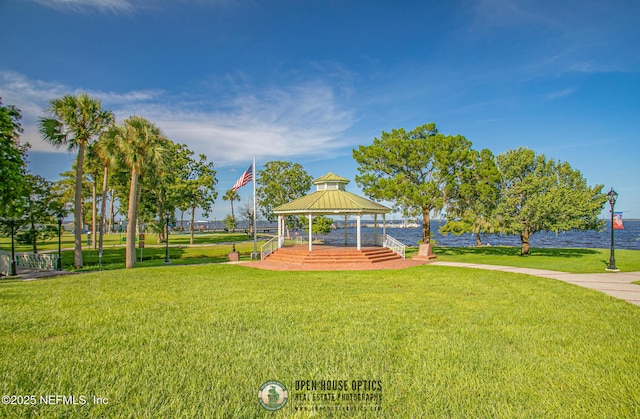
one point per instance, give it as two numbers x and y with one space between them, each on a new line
198 341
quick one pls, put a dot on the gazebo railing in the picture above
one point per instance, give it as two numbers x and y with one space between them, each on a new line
268 248
395 245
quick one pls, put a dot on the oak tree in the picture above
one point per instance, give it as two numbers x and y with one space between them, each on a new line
541 194
416 171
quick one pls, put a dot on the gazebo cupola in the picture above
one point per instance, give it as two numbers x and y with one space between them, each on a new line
330 198
330 182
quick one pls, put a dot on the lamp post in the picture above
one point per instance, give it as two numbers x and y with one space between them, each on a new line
60 218
613 196
166 239
13 270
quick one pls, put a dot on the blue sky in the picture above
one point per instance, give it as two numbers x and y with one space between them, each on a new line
307 81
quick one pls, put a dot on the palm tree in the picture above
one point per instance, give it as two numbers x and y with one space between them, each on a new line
231 195
104 153
74 122
141 146
93 166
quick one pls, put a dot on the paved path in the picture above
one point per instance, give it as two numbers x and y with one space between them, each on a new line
615 284
26 274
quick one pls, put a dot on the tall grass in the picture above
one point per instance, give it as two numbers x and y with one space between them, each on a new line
198 341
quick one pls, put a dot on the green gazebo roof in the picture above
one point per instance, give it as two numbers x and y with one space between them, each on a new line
330 178
331 198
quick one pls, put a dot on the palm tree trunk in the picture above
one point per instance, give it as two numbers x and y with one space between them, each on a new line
77 211
112 215
161 221
103 210
193 219
34 236
132 216
233 216
94 191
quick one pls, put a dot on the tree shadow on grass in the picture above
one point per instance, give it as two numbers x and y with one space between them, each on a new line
114 257
515 251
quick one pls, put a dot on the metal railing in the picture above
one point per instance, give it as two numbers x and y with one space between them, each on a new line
268 248
395 245
44 262
5 262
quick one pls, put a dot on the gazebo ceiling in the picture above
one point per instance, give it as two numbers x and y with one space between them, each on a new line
331 199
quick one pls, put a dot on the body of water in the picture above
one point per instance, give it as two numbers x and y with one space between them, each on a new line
629 238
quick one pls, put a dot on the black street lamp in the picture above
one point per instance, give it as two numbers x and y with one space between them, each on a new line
13 270
166 240
613 196
60 218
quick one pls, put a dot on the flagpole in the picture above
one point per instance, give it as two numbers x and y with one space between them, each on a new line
255 224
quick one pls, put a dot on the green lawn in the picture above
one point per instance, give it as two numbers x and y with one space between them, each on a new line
114 258
213 248
207 248
198 341
117 239
563 260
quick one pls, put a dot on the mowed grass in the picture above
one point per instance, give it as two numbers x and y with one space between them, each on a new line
207 248
198 341
563 260
113 240
214 247
114 258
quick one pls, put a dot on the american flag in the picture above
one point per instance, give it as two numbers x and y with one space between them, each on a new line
246 177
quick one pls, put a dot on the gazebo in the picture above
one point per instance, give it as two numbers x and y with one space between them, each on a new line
331 198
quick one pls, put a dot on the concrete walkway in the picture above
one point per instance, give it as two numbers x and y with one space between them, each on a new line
615 284
26 274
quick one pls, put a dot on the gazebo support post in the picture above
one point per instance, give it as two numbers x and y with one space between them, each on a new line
358 217
384 228
279 231
345 230
375 229
310 233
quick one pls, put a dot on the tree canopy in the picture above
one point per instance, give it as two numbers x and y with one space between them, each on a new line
541 194
280 182
473 202
417 171
12 161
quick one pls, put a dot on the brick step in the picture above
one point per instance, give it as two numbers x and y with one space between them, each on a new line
284 258
301 255
383 258
335 260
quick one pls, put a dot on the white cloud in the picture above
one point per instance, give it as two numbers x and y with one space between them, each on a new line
296 121
30 97
129 6
559 94
274 123
111 6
